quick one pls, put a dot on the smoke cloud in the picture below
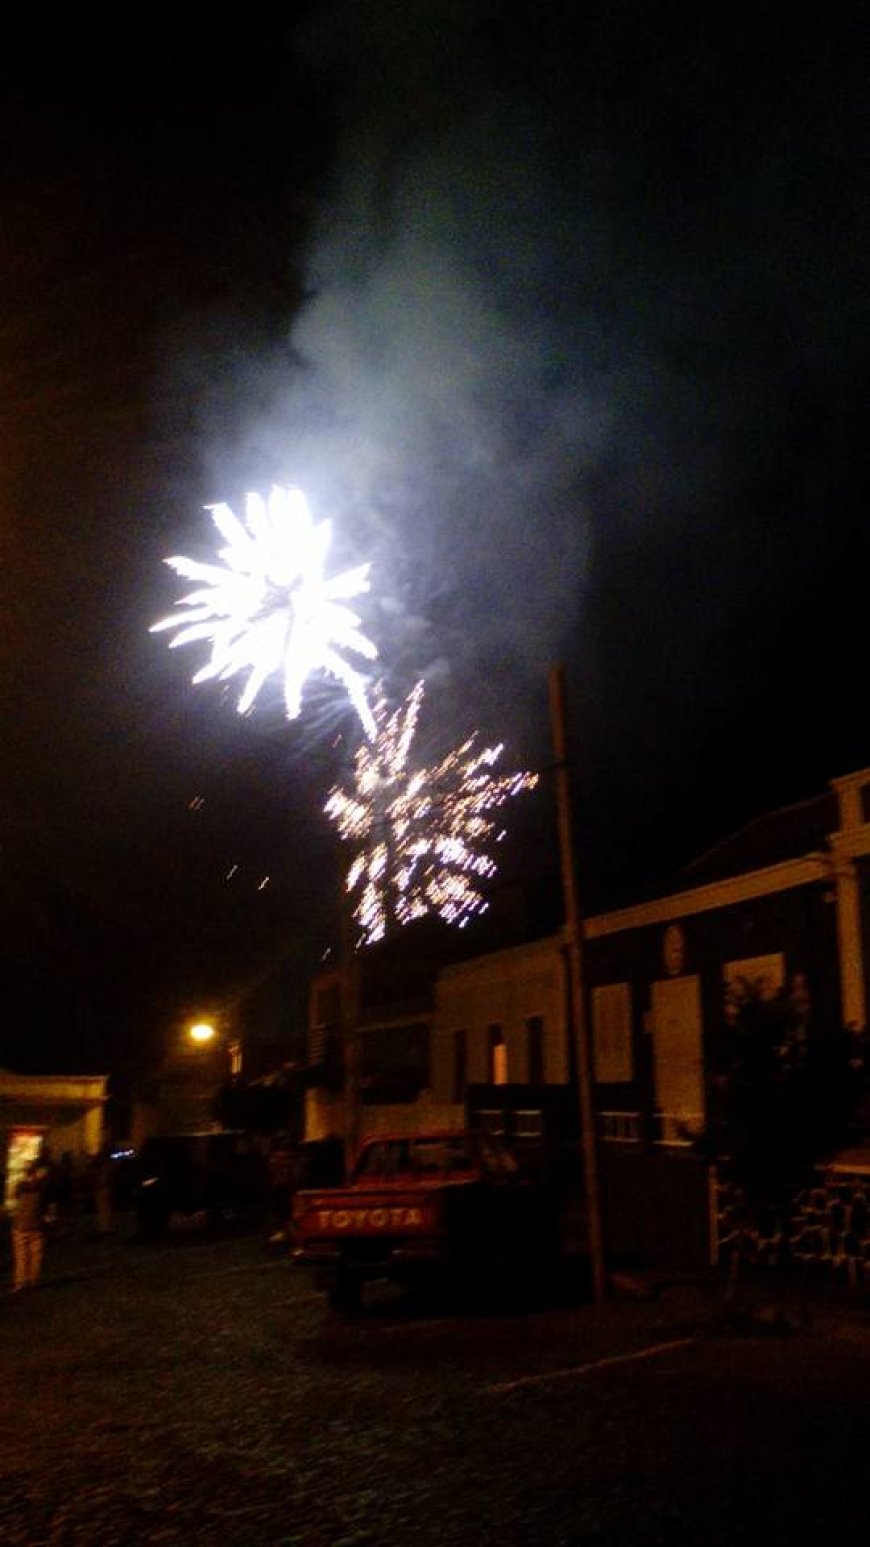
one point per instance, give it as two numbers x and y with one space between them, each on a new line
552 304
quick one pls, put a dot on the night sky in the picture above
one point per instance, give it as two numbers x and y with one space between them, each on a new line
558 312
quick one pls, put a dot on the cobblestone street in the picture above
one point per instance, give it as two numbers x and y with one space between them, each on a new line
202 1393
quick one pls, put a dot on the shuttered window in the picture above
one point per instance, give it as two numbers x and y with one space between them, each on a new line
460 1065
613 1053
498 1067
535 1049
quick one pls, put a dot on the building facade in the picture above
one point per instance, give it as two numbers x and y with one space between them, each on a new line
64 1113
498 1019
501 1019
666 979
781 908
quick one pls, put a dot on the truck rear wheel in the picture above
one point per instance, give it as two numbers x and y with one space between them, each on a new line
345 1292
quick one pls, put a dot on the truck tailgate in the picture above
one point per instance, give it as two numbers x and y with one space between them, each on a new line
340 1214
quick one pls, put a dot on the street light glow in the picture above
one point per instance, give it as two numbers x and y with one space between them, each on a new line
201 1033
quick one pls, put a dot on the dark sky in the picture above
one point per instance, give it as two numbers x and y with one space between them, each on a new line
561 318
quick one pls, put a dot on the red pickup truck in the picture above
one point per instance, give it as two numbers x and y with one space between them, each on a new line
449 1207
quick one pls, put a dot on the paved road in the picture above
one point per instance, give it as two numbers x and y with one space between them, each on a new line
202 1394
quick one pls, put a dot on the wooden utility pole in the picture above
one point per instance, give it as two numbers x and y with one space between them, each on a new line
350 1047
579 1019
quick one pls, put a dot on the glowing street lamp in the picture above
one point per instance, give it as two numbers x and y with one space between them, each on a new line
201 1033
204 1035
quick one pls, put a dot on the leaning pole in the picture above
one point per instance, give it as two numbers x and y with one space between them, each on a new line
579 1018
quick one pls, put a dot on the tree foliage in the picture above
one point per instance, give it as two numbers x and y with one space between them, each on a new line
785 1098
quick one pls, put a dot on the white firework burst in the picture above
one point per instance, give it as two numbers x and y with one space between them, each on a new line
268 607
419 833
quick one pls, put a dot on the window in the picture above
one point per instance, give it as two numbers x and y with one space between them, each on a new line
619 1127
415 1159
528 1124
613 1055
394 1063
535 1049
498 1068
460 1066
381 1160
325 1020
440 1157
677 1058
491 1121
495 1159
761 977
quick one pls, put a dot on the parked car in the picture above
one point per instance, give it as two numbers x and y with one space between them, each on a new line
199 1179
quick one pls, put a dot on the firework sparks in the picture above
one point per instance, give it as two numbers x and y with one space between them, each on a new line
420 834
268 607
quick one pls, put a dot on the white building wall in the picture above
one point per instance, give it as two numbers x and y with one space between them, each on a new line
505 988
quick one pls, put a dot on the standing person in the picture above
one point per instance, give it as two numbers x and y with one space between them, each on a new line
65 1186
104 1192
28 1228
280 1166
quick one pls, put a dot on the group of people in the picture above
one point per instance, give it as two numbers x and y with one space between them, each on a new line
51 1191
